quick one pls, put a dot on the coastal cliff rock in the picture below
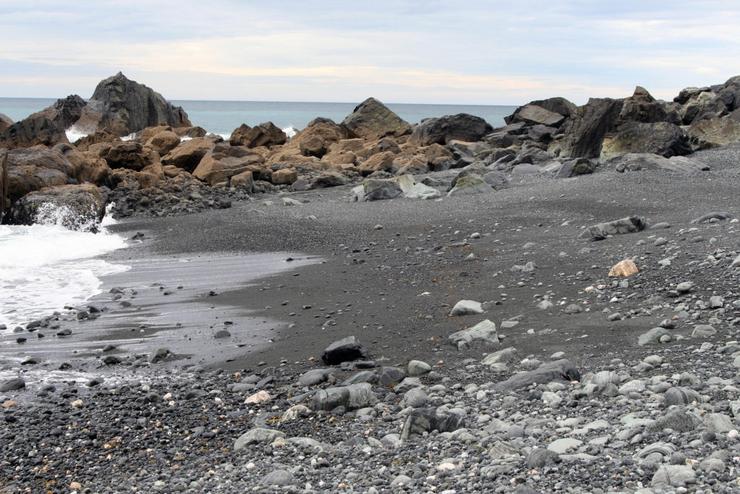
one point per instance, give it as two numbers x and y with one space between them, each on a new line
123 106
442 130
78 207
371 119
44 127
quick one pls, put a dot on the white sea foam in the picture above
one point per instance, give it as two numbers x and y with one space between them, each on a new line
74 134
290 131
45 267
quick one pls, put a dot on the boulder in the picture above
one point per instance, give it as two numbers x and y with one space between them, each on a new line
188 154
265 134
377 162
317 137
663 138
284 176
482 335
218 167
89 167
344 350
130 155
244 180
584 132
645 161
468 185
701 106
558 370
75 207
46 127
350 397
5 122
424 420
624 269
377 190
34 168
462 127
714 132
123 106
557 106
572 168
258 435
163 142
533 115
371 119
621 226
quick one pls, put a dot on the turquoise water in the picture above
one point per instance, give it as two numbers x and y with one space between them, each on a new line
221 117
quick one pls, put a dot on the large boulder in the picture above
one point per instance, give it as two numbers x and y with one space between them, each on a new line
462 127
663 138
129 154
534 115
88 166
163 142
601 231
264 134
558 371
585 130
714 132
76 207
318 136
44 127
646 161
189 153
557 105
123 106
34 168
701 106
371 119
224 162
5 122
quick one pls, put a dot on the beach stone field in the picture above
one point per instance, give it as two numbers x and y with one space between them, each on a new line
559 321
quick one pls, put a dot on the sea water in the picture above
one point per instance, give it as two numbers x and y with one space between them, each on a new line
222 117
45 267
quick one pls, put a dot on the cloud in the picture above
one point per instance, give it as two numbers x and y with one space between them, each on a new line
402 51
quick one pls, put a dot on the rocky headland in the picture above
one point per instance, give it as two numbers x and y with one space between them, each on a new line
561 316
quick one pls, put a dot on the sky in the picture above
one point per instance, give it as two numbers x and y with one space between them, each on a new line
402 51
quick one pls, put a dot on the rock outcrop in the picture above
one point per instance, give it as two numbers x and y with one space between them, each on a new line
123 106
264 134
33 168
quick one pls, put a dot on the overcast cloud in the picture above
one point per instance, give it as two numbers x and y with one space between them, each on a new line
486 52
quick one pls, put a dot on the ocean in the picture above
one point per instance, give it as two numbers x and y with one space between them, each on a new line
222 117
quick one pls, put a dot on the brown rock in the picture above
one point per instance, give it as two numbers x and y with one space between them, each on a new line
129 154
88 166
144 135
188 154
264 134
284 176
624 269
34 168
217 168
164 142
377 162
244 180
86 142
317 137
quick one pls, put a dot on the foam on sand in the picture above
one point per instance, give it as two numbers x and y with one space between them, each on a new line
45 267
